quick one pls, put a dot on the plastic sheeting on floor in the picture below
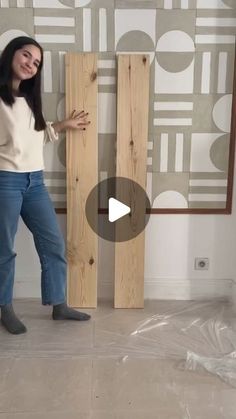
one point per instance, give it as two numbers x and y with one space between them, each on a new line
199 334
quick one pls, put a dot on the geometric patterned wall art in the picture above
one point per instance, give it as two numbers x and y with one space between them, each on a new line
191 44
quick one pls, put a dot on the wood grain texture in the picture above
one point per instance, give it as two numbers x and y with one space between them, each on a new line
132 137
82 176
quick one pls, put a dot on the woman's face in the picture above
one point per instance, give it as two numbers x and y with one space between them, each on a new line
25 62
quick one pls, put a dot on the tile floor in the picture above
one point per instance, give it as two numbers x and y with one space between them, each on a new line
122 364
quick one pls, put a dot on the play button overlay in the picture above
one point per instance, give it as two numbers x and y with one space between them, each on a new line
117 209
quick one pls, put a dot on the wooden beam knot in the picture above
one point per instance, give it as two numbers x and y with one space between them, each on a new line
91 261
93 76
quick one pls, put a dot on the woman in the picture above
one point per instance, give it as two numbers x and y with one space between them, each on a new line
22 191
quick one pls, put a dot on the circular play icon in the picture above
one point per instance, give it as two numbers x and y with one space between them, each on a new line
125 207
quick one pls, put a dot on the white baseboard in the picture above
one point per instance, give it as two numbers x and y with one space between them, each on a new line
178 289
27 288
233 294
160 289
106 290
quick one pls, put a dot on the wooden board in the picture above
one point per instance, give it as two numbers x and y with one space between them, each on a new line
82 176
132 137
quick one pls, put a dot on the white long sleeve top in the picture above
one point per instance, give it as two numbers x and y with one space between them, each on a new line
21 146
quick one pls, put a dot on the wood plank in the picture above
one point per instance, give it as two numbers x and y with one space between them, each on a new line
82 176
132 137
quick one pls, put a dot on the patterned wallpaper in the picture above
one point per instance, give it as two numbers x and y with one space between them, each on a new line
191 44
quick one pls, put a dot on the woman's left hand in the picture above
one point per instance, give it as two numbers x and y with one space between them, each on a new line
77 120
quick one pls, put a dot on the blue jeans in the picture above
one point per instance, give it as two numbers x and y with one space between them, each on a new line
25 195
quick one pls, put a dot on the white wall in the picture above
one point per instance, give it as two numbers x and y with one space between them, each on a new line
172 243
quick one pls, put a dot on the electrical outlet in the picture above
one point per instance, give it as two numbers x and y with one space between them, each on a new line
202 264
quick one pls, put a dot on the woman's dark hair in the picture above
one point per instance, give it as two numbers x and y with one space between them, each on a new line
31 88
